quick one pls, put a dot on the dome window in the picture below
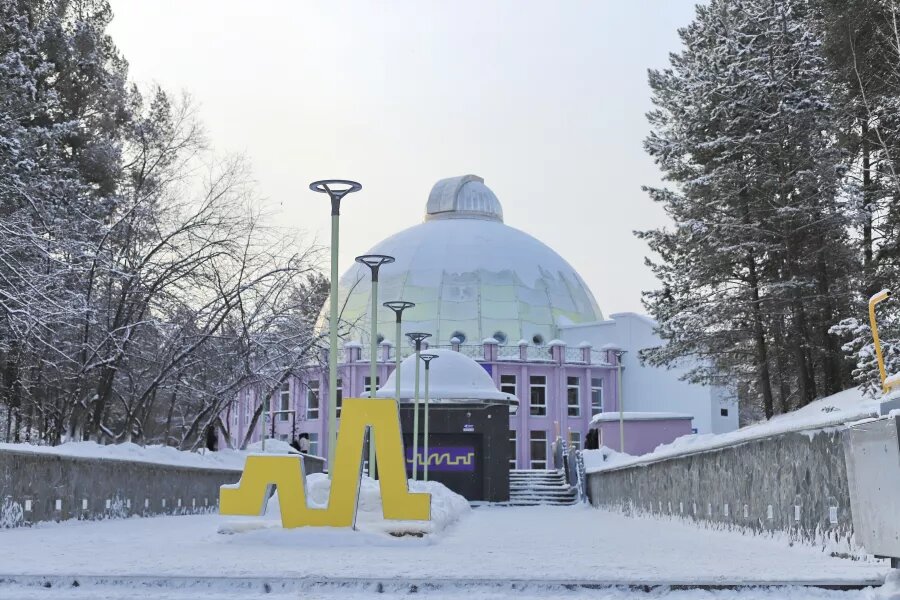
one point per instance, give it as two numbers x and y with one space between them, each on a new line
459 335
500 337
537 339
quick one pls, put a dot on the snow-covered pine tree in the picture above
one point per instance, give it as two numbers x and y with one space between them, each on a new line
756 266
860 38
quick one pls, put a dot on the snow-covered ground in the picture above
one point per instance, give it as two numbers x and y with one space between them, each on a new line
526 543
843 407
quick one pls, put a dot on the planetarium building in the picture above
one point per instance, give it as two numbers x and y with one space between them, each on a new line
519 311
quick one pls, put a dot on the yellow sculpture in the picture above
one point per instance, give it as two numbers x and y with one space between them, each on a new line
285 472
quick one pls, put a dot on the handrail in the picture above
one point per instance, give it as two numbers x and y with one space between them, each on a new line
873 301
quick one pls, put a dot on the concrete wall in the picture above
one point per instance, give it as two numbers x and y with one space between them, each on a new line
45 487
795 483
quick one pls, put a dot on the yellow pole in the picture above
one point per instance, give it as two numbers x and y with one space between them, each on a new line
880 296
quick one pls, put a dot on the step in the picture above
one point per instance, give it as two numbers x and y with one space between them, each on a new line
542 496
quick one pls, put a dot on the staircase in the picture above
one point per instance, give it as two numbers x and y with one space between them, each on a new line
529 487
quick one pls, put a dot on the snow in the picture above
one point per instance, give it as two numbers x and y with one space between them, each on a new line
165 455
638 416
447 508
892 380
524 543
603 458
838 409
453 376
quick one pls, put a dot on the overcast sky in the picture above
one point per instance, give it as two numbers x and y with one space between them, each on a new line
543 99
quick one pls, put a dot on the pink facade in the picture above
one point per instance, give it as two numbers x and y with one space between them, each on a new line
559 389
643 435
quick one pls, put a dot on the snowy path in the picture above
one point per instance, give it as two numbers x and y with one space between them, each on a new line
559 543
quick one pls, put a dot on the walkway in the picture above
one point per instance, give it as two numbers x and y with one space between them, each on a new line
527 543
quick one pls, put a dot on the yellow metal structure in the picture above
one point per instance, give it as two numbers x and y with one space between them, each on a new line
873 301
382 418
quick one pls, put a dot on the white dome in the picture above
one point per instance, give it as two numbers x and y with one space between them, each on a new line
470 276
453 376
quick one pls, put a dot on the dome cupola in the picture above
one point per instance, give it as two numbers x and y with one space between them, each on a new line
470 275
464 197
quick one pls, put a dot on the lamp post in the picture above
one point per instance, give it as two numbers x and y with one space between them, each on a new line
336 190
374 262
426 358
398 306
417 338
619 354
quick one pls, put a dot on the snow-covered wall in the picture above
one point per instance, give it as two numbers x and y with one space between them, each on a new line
793 482
41 486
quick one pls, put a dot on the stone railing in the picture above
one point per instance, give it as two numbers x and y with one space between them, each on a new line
38 487
794 482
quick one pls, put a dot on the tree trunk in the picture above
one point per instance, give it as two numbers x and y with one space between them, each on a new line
759 335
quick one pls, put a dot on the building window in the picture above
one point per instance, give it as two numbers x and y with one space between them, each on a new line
458 335
575 440
508 384
573 396
596 396
283 437
512 449
314 444
368 382
538 449
285 401
247 407
312 400
537 339
538 395
339 396
723 412
500 337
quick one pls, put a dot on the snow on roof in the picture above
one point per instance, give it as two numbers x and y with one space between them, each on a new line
835 410
638 416
454 376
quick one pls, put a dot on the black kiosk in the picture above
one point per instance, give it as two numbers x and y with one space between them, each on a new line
468 425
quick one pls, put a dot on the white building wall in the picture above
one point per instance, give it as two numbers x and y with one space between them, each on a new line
653 389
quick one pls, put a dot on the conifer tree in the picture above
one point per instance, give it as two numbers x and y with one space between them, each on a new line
757 265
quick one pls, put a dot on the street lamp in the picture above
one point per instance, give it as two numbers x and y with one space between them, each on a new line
398 306
426 358
417 338
336 190
374 262
619 354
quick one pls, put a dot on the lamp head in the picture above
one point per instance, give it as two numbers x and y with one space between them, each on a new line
427 358
374 262
336 189
398 306
417 337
